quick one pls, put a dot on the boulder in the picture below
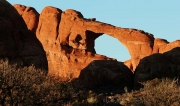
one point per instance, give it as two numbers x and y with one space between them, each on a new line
17 43
166 65
104 73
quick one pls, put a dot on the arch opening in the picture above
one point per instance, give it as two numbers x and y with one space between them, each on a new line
111 47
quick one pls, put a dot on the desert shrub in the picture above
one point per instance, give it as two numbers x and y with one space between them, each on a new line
157 92
30 86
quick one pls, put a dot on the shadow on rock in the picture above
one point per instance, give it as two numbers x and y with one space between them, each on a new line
166 65
105 76
19 45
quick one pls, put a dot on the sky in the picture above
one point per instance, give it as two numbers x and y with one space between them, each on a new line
158 17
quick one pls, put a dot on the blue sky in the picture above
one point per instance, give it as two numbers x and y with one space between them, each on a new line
159 17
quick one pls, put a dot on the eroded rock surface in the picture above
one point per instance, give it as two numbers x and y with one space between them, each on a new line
137 42
63 59
30 16
17 43
162 45
68 39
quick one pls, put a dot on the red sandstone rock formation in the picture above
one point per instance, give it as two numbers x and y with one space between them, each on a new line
162 45
159 43
128 63
169 46
68 40
78 33
17 43
30 16
63 60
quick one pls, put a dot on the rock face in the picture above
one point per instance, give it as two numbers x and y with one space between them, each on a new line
158 66
68 39
63 60
162 45
30 16
17 43
102 73
159 44
76 34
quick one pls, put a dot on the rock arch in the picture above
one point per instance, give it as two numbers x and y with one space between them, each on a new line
138 42
68 39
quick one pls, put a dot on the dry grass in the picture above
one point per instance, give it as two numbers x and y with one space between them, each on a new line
157 92
29 86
